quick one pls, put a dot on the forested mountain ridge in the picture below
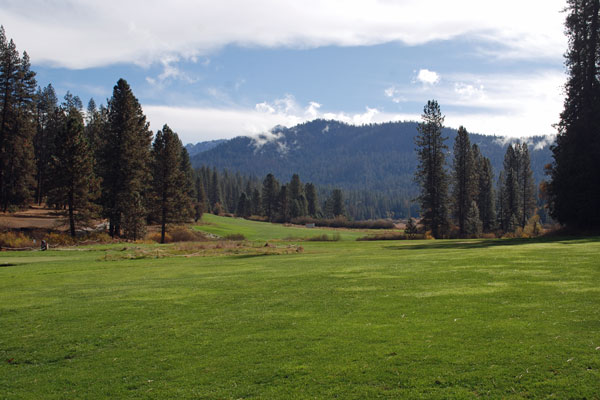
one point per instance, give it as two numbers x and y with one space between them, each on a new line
200 147
376 157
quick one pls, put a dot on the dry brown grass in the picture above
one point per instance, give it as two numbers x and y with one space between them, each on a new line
200 249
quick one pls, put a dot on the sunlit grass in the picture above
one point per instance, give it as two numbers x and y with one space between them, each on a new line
408 319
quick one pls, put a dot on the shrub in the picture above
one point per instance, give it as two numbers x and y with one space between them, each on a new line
155 237
342 222
59 239
324 238
184 234
15 240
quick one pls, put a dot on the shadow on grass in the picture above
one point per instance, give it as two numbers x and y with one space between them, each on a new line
466 244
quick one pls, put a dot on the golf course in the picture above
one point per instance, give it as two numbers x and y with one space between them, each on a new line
280 316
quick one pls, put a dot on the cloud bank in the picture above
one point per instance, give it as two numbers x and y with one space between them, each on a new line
91 33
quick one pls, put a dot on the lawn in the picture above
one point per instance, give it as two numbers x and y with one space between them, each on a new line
260 231
346 319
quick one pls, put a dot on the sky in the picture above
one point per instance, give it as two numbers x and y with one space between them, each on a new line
220 69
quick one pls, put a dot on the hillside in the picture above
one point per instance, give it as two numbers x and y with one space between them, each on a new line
194 149
376 157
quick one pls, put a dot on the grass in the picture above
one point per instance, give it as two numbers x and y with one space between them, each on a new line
346 319
261 231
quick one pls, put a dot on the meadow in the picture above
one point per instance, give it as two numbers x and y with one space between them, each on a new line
341 319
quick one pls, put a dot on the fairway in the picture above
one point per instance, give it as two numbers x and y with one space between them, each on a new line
346 319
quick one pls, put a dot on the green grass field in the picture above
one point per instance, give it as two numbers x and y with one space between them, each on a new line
346 319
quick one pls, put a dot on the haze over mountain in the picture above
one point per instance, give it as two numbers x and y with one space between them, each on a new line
375 157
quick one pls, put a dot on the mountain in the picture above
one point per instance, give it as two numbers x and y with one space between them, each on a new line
376 157
200 147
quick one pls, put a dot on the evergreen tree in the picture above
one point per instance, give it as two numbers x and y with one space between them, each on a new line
48 120
17 125
574 189
473 225
270 193
188 187
527 194
411 228
485 195
214 191
256 202
170 184
337 203
283 204
464 179
201 202
244 206
501 203
430 174
72 166
511 193
312 202
125 163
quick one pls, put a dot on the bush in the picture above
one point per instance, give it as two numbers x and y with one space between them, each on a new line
324 238
16 240
342 222
178 234
59 239
392 236
184 234
155 237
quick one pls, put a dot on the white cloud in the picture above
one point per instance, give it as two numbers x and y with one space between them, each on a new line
194 124
89 33
510 105
428 77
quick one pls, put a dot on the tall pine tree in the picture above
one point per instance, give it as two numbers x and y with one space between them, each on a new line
125 163
170 184
575 175
73 181
17 125
431 175
464 179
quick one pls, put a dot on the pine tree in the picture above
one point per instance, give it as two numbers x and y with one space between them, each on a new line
244 206
527 195
312 202
47 125
188 187
575 175
125 163
201 202
411 228
17 125
74 183
431 175
473 225
485 195
298 203
511 194
170 184
214 191
283 204
464 179
270 193
501 203
337 203
256 202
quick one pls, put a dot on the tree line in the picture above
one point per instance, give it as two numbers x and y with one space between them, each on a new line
462 201
221 192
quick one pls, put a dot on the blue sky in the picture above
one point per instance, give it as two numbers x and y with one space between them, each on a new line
222 69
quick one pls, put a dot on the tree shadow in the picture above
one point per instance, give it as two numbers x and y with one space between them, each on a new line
466 244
